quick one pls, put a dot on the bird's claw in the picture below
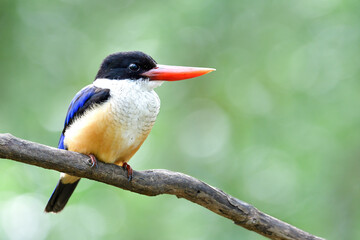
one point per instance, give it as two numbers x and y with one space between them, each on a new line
129 171
92 161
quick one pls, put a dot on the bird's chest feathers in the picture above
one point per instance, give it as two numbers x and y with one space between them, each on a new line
115 130
133 112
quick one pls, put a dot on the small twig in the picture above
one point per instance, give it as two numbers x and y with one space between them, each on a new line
151 183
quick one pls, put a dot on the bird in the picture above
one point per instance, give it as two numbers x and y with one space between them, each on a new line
110 119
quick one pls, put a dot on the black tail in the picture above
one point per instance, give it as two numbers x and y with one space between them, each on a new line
60 196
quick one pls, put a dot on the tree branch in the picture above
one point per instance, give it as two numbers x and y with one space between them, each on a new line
151 183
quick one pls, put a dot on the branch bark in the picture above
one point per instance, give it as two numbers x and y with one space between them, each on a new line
151 183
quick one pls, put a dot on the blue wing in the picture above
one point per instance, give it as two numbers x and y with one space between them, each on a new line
82 101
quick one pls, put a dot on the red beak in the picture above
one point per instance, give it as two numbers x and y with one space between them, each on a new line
175 73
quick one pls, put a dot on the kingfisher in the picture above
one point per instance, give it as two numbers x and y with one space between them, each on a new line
110 119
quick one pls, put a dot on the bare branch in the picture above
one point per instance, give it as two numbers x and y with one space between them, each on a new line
151 183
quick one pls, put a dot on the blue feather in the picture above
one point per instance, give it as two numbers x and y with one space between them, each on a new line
84 99
61 142
78 101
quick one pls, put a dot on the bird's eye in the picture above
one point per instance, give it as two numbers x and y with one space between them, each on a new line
134 67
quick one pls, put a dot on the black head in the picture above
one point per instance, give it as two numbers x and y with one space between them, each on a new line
125 65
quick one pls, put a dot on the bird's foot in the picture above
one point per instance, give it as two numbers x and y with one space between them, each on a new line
92 161
129 170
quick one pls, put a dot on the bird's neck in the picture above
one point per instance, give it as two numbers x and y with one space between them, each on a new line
139 84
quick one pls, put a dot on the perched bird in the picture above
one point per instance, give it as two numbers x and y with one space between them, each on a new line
111 118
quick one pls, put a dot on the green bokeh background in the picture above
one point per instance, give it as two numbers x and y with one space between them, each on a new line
277 125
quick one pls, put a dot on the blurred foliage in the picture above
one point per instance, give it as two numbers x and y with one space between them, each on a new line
277 125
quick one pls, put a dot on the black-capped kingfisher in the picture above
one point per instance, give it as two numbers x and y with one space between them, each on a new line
111 118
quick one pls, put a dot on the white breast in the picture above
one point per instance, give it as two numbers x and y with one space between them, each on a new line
134 105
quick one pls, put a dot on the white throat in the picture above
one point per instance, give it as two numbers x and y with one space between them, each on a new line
144 84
